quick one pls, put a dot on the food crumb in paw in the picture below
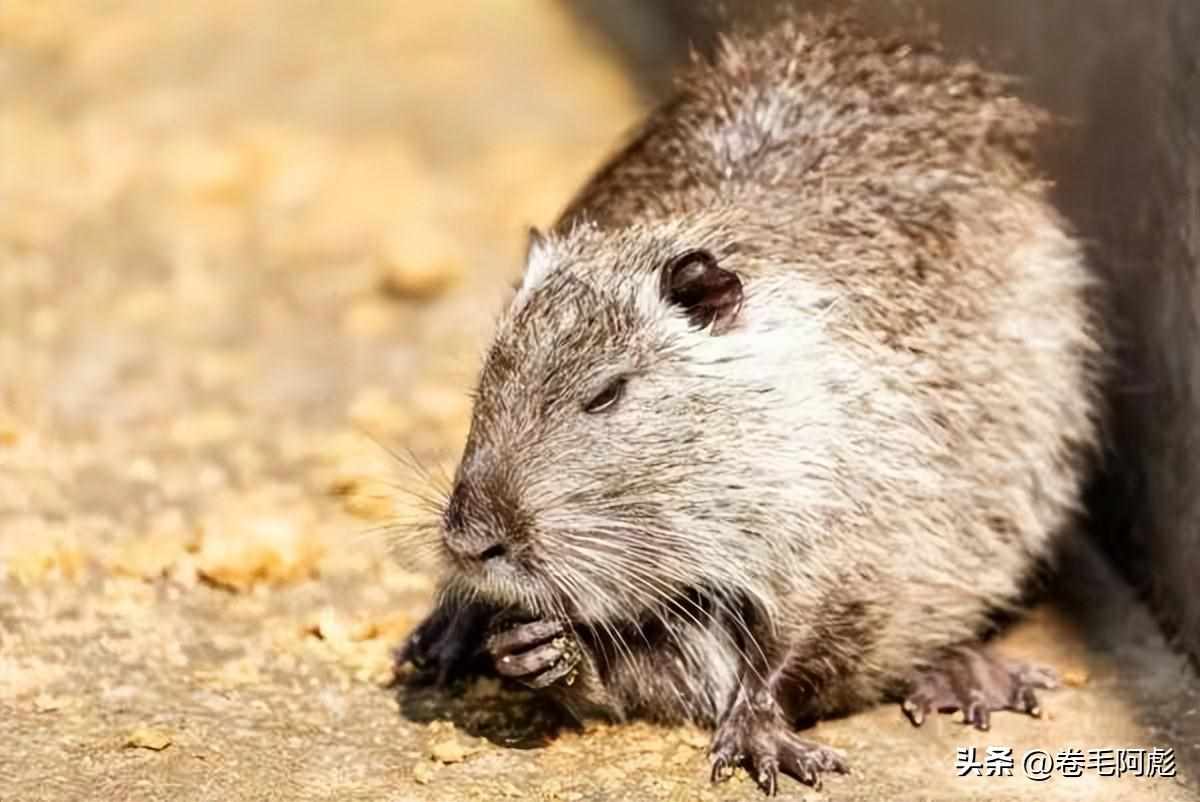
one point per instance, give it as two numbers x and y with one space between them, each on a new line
570 651
148 738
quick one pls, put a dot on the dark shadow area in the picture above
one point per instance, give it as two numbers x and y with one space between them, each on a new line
484 708
653 38
1158 682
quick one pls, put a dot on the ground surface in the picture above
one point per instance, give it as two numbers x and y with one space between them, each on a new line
245 245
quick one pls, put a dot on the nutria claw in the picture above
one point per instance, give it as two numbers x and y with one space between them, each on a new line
976 683
535 653
762 742
446 643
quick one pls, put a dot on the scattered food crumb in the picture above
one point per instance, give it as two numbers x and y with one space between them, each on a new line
420 262
423 772
1076 677
36 563
370 501
268 540
329 626
148 738
45 703
149 557
8 432
448 750
363 645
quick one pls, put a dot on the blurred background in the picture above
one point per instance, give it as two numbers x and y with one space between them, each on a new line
249 253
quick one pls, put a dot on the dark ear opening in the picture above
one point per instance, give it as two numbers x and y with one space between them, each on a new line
708 293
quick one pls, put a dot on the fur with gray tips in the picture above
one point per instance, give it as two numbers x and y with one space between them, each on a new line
868 463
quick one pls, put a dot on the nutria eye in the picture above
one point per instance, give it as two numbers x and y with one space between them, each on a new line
607 397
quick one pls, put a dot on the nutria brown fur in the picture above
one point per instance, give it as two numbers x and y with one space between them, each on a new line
796 394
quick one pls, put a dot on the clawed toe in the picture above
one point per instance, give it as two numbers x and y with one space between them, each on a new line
535 653
445 644
976 683
722 769
917 707
766 747
768 775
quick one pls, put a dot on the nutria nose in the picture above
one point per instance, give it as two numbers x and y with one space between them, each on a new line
471 544
465 537
495 551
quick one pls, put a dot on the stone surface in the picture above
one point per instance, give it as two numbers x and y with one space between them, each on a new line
219 405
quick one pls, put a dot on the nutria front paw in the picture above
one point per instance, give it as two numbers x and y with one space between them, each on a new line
535 653
447 643
760 740
977 683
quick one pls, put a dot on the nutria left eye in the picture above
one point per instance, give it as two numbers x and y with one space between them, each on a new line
607 397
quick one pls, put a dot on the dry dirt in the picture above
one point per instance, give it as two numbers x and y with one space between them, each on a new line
249 250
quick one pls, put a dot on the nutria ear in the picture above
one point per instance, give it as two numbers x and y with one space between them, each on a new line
537 260
708 293
534 242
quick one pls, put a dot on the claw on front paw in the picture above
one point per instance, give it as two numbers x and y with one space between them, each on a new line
444 644
537 654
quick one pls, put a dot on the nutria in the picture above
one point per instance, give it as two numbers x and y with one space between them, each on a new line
793 398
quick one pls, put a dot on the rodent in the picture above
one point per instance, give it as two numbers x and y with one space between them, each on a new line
793 397
1125 164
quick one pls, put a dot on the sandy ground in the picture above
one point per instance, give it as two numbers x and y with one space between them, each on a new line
249 251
